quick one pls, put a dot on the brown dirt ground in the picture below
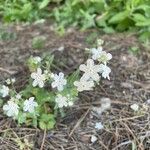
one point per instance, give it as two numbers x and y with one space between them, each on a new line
129 84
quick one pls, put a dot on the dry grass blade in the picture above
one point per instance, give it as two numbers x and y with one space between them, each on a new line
79 122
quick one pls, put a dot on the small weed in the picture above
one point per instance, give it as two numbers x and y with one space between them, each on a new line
38 42
5 35
48 93
134 50
23 145
92 38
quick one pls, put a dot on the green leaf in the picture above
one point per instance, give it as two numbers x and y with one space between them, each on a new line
119 17
42 95
42 125
101 20
27 91
144 36
50 125
1 102
31 64
144 23
21 118
143 7
34 121
73 77
125 24
48 59
109 30
138 17
43 4
26 8
47 121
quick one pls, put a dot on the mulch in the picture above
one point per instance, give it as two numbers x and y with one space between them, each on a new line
129 84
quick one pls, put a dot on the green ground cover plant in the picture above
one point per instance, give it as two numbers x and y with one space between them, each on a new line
110 16
48 92
24 10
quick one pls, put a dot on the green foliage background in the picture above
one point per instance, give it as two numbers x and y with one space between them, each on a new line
108 15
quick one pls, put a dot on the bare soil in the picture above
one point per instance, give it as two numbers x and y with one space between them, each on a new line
124 129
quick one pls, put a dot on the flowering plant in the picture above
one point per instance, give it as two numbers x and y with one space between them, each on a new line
47 93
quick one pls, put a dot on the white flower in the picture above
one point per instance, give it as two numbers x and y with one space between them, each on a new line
91 70
13 80
59 81
100 42
93 138
38 77
134 107
70 100
99 126
104 57
61 101
4 91
96 52
11 109
37 59
18 96
9 81
148 101
105 70
29 105
70 103
84 85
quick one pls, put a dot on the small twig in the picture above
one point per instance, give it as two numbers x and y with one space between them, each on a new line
75 45
122 144
103 145
79 122
7 71
132 133
125 119
43 141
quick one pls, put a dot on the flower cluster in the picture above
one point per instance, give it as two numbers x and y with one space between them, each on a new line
4 91
58 82
48 93
93 71
11 108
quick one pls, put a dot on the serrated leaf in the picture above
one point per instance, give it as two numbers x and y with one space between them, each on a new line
47 121
42 125
50 125
42 95
27 91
